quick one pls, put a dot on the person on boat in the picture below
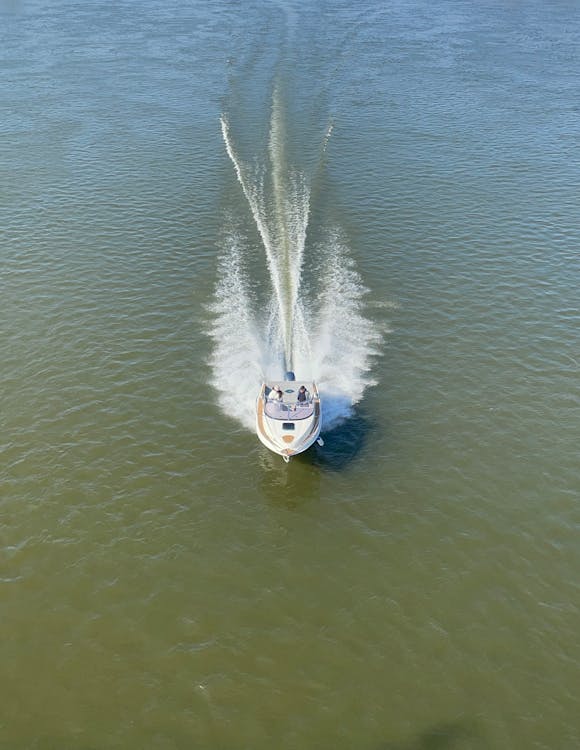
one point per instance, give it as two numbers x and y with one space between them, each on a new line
276 393
302 394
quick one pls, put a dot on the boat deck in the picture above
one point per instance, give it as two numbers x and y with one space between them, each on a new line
281 410
273 416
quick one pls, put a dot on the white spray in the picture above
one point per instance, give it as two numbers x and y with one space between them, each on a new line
327 339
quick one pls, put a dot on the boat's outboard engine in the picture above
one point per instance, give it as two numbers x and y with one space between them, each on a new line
290 375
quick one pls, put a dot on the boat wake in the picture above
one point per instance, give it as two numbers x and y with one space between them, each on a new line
306 313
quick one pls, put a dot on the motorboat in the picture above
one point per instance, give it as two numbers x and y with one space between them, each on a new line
288 416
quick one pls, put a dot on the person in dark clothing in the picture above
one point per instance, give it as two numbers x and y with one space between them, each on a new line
302 394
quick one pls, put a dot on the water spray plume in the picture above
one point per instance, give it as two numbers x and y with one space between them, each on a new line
329 339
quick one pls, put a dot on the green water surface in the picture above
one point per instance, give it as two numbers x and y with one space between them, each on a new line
165 582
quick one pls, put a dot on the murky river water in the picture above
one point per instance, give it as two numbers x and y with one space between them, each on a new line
167 583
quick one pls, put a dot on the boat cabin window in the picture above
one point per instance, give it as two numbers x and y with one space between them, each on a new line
287 426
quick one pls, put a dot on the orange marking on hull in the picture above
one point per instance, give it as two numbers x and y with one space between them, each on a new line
287 438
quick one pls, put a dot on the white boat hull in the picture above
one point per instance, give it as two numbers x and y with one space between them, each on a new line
288 427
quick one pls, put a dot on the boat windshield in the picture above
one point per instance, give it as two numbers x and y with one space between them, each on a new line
289 411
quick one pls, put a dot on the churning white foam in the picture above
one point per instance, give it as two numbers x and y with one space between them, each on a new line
321 335
341 339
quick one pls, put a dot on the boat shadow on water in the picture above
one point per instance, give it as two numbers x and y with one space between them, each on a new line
298 482
452 735
343 444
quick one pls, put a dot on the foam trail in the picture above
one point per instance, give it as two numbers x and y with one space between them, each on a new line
324 336
291 209
342 340
326 138
282 225
254 196
237 359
